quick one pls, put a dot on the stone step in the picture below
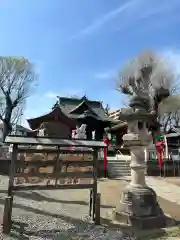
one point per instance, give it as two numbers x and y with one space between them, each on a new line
122 157
118 164
124 166
114 176
119 172
122 171
120 161
118 168
119 175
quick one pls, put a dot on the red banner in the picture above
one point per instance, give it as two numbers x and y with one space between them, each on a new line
160 146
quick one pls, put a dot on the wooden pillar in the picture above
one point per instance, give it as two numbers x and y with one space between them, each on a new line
57 168
98 209
89 133
9 199
97 136
95 173
99 132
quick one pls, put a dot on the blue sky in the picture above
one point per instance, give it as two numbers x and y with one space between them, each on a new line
78 46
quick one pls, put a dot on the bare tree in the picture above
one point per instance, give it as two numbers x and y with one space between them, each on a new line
17 113
150 77
17 77
169 120
106 107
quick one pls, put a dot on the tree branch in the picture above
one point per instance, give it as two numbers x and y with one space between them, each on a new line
17 77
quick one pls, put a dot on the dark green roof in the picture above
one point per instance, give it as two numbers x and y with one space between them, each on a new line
116 126
73 107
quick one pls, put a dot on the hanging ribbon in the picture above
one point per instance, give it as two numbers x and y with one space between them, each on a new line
160 146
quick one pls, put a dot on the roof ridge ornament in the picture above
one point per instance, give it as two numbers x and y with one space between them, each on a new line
79 105
56 105
84 98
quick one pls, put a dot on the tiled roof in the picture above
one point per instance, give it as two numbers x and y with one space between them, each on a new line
69 104
117 126
54 113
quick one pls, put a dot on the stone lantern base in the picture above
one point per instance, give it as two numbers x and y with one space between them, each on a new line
140 209
138 205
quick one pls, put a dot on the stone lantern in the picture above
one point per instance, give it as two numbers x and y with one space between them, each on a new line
138 204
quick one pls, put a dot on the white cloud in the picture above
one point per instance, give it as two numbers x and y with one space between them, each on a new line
98 23
106 75
38 105
131 12
65 93
155 8
173 57
51 95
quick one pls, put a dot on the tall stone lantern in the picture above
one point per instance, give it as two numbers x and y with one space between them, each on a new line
138 204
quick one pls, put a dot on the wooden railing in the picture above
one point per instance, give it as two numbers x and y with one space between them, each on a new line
171 166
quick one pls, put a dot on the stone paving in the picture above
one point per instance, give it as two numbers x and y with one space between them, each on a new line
168 191
164 189
172 238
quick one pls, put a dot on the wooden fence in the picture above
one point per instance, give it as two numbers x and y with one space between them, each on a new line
43 163
171 166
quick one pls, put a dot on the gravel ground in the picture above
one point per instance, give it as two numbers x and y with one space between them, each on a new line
58 214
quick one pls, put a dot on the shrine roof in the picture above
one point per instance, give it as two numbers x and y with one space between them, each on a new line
74 107
55 113
67 109
117 126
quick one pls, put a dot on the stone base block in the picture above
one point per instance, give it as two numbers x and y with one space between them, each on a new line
142 222
139 208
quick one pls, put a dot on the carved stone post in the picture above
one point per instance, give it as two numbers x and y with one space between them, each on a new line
137 139
138 204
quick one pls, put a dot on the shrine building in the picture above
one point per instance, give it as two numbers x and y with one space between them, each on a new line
68 113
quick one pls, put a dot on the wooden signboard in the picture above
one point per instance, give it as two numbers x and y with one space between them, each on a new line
54 168
67 169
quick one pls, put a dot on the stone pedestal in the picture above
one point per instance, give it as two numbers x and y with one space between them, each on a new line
138 205
139 208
